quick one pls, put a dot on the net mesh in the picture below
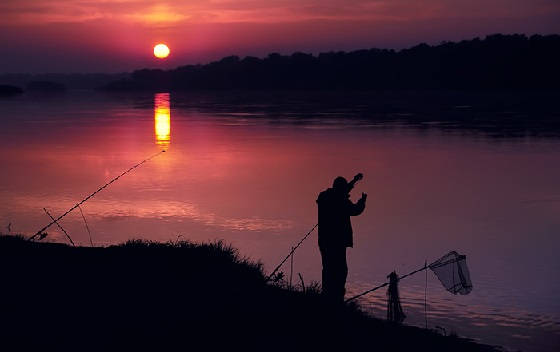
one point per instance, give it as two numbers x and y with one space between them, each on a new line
452 272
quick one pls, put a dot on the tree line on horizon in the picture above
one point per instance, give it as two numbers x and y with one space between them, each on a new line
495 62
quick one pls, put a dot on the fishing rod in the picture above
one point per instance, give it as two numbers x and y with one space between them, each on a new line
55 221
387 283
59 226
291 252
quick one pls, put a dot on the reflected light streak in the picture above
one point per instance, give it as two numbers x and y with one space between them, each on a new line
162 120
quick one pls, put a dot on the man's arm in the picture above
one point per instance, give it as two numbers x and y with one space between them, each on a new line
358 208
356 178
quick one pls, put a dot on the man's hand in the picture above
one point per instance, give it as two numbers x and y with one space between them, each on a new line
356 178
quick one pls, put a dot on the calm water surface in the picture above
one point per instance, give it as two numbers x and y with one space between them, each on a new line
252 178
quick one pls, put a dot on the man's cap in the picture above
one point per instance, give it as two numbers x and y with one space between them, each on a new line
340 183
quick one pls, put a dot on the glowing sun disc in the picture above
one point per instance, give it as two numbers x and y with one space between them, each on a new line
161 51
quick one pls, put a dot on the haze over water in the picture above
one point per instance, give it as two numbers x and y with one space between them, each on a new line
250 175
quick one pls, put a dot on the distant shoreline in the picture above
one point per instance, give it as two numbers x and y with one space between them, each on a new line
497 62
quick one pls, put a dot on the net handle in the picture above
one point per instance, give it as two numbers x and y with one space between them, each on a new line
434 264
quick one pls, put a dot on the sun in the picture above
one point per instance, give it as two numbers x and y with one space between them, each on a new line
161 51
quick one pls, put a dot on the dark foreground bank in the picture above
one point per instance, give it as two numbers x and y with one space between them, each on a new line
177 296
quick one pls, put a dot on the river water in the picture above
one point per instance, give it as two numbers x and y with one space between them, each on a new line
249 172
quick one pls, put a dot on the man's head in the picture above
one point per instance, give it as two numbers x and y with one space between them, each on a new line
340 185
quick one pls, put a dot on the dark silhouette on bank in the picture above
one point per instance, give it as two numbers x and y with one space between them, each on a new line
45 86
395 312
495 62
335 234
176 296
68 80
7 90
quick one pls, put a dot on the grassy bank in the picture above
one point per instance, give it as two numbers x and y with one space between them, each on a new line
176 296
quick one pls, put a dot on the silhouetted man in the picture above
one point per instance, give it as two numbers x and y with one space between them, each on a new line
335 234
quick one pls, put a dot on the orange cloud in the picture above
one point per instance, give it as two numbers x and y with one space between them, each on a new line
155 15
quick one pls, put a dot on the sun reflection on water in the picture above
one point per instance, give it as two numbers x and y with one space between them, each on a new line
162 119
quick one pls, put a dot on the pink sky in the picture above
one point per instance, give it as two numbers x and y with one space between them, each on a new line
118 35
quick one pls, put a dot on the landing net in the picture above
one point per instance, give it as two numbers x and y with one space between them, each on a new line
452 272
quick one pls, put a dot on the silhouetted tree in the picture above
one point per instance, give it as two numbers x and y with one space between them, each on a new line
496 62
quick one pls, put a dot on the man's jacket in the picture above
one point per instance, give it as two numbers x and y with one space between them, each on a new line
335 209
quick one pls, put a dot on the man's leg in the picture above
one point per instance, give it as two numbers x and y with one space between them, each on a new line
326 273
341 274
334 273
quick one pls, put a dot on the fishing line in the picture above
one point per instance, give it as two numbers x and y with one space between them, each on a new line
87 227
291 268
94 193
426 297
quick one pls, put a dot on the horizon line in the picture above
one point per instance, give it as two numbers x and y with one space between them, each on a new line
442 42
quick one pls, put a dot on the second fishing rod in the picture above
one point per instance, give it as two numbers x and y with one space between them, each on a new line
55 221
